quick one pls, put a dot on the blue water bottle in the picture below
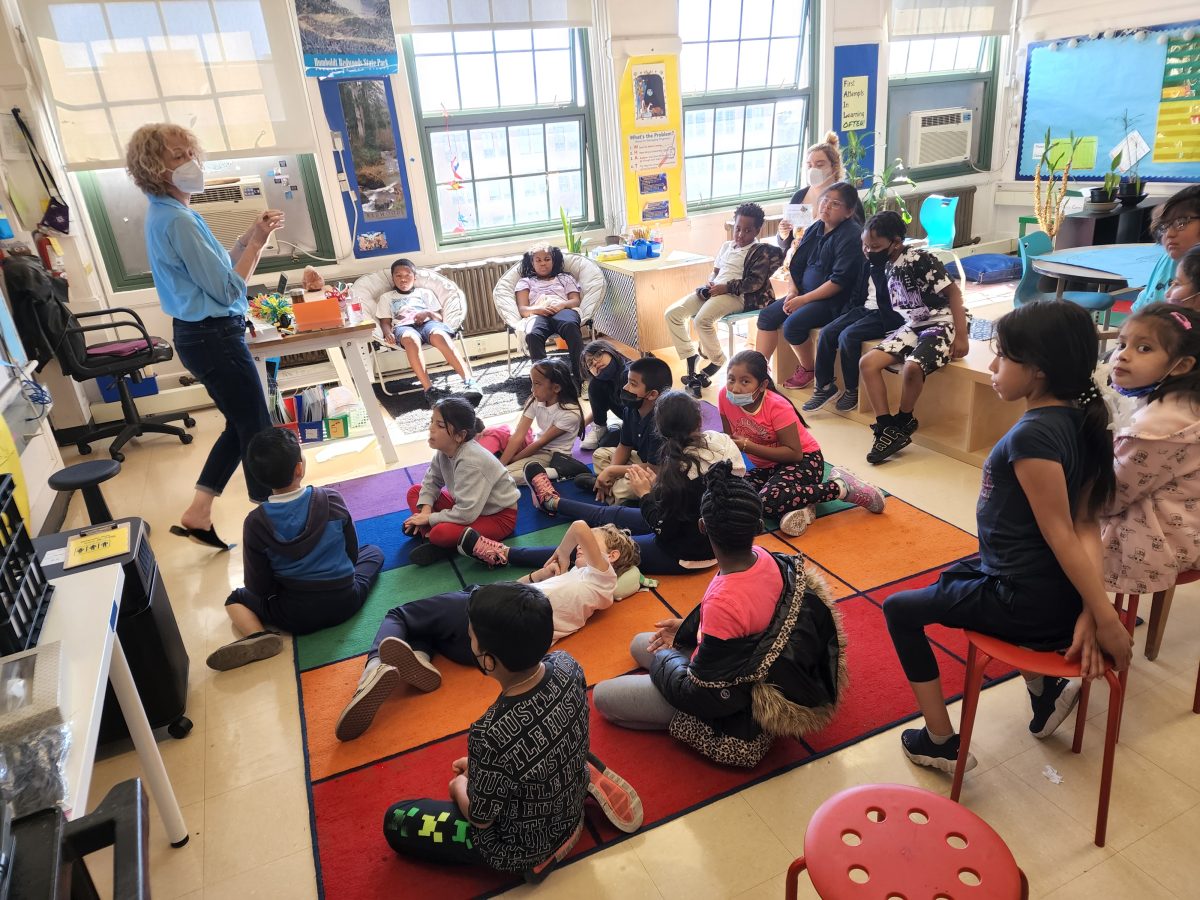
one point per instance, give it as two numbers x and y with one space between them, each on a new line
6 231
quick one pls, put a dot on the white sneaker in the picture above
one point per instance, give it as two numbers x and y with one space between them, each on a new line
796 522
593 436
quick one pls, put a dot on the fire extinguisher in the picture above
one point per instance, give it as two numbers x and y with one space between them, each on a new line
46 249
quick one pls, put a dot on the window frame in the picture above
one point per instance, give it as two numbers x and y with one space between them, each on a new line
121 280
989 76
427 125
749 96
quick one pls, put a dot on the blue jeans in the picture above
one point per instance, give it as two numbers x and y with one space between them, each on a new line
797 325
214 350
846 334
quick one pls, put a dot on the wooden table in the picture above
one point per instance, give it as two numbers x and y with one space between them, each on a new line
1106 264
345 347
633 311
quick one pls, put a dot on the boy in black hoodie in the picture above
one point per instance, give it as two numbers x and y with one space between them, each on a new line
304 570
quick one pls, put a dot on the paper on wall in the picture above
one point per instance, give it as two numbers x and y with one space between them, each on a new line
1132 148
655 150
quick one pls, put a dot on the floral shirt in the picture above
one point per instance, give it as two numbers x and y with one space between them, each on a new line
916 281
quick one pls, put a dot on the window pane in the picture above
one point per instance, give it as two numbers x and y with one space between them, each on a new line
752 64
727 128
785 168
944 50
789 122
756 18
755 166
530 198
441 42
553 76
513 40
722 66
782 68
698 131
898 58
727 175
451 156
693 63
919 55
566 192
551 37
725 19
788 18
698 176
477 82
563 145
760 119
527 150
489 151
495 203
456 209
438 81
516 79
693 24
969 53
473 41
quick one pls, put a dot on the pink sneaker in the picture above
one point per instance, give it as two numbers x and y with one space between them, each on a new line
492 553
801 378
541 489
858 491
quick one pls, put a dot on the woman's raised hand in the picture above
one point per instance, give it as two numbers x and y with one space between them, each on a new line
268 221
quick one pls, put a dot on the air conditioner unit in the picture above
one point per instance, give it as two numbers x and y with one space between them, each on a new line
230 209
938 137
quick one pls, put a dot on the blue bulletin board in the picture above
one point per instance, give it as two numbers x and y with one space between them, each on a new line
1086 89
855 81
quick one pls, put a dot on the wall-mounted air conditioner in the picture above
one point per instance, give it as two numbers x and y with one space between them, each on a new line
938 137
230 209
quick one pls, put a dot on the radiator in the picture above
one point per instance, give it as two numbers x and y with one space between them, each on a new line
477 280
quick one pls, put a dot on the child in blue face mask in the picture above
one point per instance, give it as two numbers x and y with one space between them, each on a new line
789 470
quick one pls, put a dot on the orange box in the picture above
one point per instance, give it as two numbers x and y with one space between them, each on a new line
315 315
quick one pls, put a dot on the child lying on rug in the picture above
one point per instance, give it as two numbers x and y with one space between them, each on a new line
302 565
516 799
667 526
410 635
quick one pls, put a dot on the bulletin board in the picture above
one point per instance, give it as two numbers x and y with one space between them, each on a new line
1087 88
652 140
855 73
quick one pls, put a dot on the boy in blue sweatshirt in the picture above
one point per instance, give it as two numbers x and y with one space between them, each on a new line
304 570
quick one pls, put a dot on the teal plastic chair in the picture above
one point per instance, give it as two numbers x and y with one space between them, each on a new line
937 218
1037 243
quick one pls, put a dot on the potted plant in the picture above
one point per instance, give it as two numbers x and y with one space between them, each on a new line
880 186
1129 191
572 242
1112 181
1048 200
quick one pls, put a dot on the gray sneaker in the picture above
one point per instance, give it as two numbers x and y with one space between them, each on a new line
820 397
848 402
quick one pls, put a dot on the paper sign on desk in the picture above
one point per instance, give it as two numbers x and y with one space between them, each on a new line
54 557
94 546
1132 148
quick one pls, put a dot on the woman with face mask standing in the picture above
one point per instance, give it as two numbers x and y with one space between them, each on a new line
202 287
823 167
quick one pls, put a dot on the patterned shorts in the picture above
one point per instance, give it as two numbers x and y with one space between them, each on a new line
928 347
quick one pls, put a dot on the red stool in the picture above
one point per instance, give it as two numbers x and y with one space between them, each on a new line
982 650
892 840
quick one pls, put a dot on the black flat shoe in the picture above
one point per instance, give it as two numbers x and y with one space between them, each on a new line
206 536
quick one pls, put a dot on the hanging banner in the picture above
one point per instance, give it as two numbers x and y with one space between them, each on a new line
1177 138
379 204
347 38
652 140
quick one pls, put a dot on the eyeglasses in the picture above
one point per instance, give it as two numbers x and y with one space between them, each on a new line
832 204
1177 224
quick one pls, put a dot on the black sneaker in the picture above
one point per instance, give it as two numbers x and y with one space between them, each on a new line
848 402
586 482
427 554
889 440
1059 696
820 397
252 648
909 427
567 466
696 383
919 747
472 396
432 396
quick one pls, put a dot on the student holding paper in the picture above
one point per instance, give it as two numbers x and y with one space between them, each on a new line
824 167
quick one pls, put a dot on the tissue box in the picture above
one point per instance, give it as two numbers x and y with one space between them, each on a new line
31 694
315 315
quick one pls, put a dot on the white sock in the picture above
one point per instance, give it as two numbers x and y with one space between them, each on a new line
938 739
1036 685
843 488
552 473
371 665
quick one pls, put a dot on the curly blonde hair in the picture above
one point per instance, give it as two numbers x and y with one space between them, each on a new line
143 155
831 147
628 553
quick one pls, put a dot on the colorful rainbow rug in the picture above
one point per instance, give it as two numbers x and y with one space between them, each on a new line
408 751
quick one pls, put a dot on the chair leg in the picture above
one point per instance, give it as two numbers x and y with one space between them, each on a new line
462 345
1115 703
508 347
1085 694
379 373
793 877
962 273
976 663
1196 698
97 508
1160 608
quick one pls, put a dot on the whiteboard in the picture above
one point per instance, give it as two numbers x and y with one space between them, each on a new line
1086 89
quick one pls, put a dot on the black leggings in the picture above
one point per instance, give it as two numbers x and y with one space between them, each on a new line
435 830
1036 613
566 325
784 487
435 625
604 397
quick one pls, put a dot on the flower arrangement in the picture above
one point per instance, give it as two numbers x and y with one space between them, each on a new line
273 308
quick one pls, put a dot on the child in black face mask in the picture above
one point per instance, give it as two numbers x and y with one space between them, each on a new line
608 370
639 442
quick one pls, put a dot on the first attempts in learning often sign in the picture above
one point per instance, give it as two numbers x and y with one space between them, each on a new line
854 102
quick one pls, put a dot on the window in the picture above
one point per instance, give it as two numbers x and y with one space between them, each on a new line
938 56
746 75
505 130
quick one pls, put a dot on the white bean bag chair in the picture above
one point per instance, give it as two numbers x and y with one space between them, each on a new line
589 276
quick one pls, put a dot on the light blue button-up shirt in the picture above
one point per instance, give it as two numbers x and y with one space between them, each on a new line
192 271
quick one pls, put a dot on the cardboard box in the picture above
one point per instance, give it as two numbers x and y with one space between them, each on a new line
316 315
337 427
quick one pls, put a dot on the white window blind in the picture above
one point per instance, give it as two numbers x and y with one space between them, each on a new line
949 18
416 16
227 69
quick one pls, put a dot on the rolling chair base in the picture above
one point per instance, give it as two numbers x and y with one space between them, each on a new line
124 432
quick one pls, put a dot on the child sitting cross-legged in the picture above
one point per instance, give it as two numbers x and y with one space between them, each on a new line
412 634
554 409
303 567
516 798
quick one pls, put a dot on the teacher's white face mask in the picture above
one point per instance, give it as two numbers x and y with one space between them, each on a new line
818 176
189 177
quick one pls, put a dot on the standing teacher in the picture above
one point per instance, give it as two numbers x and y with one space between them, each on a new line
202 287
823 167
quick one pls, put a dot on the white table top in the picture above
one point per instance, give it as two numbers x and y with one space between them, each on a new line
269 341
672 260
83 618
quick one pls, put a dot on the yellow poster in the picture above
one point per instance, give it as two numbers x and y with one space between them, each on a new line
854 102
1177 137
652 140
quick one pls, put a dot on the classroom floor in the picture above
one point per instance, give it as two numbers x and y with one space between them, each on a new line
239 776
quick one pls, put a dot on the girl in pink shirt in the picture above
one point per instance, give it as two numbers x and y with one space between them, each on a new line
789 470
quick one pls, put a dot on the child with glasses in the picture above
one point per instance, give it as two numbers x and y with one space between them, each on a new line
1177 229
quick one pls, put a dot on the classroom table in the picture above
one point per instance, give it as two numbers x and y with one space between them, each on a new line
1107 264
83 619
633 311
345 347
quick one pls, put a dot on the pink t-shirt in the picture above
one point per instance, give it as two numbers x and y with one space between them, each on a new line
773 415
557 288
742 604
